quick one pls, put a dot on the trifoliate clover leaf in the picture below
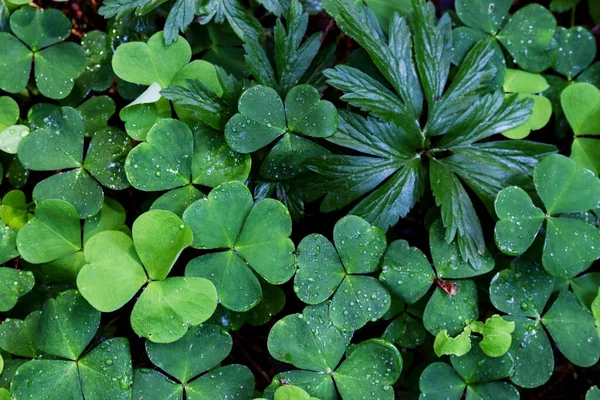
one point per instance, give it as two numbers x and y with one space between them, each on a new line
341 272
18 336
38 37
201 349
528 85
523 291
474 371
247 234
408 274
263 118
571 245
13 284
66 326
119 266
581 105
63 138
311 342
173 157
528 35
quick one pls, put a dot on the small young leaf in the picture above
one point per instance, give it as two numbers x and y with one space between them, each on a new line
496 335
446 345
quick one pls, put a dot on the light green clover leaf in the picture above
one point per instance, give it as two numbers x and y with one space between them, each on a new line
528 85
38 37
117 267
571 245
341 271
159 66
65 328
263 118
246 234
201 349
311 342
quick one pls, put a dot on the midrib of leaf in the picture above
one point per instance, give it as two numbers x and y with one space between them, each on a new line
75 248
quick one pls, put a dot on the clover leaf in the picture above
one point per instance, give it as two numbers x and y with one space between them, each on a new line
342 272
117 267
38 37
245 234
407 274
263 118
65 328
571 245
475 372
528 85
159 66
581 105
175 157
13 284
62 137
523 292
201 349
528 35
311 342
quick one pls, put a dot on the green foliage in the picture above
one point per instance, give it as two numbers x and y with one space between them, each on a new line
571 244
38 37
189 209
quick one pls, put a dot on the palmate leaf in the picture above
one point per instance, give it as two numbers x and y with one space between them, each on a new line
244 24
458 213
293 59
392 56
388 149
